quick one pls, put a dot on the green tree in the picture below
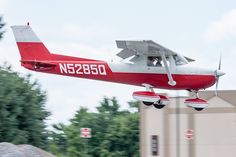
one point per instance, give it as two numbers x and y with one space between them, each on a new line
114 132
109 106
22 111
122 137
58 139
2 24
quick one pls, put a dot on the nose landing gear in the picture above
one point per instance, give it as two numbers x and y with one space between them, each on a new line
196 103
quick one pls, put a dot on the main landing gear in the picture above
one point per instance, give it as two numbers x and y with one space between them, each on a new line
147 103
158 105
150 98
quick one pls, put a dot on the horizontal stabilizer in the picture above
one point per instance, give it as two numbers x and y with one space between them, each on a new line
38 65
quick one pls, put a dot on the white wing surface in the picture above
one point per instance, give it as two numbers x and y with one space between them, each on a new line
143 48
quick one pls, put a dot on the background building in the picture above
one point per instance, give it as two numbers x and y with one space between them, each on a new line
179 131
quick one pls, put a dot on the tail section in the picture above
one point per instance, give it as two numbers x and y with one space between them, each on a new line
29 45
34 55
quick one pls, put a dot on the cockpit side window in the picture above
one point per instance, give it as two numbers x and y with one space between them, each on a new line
154 61
177 60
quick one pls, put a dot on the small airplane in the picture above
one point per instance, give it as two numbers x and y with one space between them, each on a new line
150 65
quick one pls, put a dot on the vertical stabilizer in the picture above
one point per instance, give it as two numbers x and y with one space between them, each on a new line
29 45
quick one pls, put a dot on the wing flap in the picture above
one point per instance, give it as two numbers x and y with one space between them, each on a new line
126 53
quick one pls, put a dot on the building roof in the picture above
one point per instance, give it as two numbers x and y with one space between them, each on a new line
227 95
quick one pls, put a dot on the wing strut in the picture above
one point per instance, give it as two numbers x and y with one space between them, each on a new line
167 68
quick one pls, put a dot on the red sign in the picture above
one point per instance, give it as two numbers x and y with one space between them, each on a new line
189 134
85 132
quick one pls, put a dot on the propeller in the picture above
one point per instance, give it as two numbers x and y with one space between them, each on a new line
218 74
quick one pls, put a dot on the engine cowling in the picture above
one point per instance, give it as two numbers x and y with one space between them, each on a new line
196 103
146 96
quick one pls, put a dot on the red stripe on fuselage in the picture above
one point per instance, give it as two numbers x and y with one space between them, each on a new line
184 81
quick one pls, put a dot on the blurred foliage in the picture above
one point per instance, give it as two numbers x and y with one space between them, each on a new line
115 132
2 24
22 111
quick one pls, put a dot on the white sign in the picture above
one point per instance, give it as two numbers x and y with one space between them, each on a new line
85 132
189 134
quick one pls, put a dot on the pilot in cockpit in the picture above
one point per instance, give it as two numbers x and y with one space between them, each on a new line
154 61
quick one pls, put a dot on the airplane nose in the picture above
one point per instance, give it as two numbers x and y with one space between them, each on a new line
219 73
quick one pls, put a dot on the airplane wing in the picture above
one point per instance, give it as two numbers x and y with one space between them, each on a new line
147 48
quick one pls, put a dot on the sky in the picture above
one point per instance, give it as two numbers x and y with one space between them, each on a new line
201 29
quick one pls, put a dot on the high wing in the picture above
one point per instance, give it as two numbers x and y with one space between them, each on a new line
141 48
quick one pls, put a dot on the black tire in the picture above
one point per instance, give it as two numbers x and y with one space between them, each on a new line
158 106
147 103
198 109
